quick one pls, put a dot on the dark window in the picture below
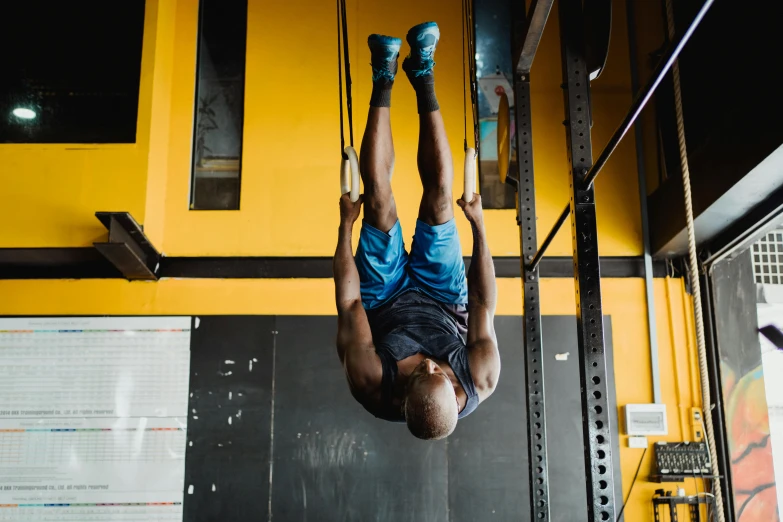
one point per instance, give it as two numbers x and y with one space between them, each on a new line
70 71
494 74
220 104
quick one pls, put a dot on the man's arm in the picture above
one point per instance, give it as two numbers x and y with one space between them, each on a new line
482 343
354 338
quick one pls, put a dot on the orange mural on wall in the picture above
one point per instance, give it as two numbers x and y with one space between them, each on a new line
747 427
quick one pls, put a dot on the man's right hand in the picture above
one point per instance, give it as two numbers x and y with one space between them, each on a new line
473 210
349 210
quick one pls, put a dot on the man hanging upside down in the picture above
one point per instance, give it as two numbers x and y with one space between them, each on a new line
402 317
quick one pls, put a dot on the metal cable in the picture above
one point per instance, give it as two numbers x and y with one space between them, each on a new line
464 79
694 270
348 82
469 28
340 83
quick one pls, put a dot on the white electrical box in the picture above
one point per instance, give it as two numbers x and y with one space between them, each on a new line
646 419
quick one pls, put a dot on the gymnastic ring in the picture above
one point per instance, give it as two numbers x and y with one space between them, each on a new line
350 177
470 175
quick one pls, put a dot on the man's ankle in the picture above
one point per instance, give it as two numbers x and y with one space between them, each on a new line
381 93
426 101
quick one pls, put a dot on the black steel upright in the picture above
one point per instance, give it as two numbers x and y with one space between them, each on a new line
527 29
597 431
533 344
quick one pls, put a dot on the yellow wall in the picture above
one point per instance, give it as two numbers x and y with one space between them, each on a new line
291 138
290 185
650 31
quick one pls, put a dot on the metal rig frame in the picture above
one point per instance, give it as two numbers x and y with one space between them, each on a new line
596 427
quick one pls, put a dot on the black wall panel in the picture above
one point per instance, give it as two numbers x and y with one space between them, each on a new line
333 460
229 355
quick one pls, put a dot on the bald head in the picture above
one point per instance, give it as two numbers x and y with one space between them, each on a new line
430 404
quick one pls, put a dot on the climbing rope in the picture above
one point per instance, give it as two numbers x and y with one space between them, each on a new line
694 270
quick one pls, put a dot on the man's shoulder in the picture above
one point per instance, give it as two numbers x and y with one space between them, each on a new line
372 401
484 366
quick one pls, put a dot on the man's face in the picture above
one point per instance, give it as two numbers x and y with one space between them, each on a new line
429 378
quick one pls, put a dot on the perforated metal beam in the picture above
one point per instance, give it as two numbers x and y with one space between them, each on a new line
596 428
533 343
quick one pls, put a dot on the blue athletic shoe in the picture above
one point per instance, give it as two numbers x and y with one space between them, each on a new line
423 39
384 51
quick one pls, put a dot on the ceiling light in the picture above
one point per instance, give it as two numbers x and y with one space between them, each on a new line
23 113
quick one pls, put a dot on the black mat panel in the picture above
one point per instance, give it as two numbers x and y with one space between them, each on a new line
488 475
229 355
567 495
333 461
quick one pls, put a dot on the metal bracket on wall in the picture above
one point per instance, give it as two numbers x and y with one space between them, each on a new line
596 428
128 249
533 343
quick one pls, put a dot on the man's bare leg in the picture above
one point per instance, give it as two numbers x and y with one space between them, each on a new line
434 158
377 163
377 153
436 170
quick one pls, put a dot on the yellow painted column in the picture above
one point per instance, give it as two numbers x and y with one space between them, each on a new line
154 109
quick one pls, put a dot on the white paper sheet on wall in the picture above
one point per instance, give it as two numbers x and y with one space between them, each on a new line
93 418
